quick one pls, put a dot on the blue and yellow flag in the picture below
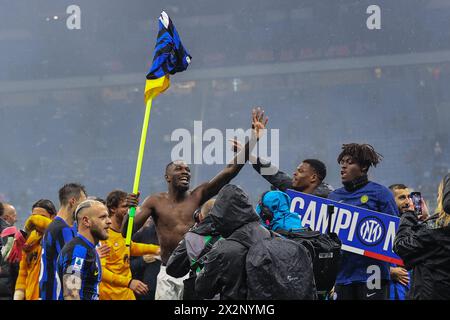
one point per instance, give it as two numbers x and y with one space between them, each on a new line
169 57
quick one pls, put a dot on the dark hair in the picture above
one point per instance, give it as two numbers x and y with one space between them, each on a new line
318 166
397 186
70 190
2 209
364 154
169 165
114 197
172 163
45 204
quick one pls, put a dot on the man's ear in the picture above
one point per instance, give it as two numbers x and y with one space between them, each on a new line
365 169
86 222
167 178
72 202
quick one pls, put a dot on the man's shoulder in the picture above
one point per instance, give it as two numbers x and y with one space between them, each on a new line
377 185
72 243
77 253
338 191
381 189
231 246
77 247
55 226
190 194
154 198
199 188
157 195
66 252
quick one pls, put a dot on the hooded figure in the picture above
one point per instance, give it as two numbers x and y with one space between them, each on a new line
188 256
224 268
282 218
190 248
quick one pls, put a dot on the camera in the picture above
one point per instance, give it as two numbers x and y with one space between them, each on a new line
416 198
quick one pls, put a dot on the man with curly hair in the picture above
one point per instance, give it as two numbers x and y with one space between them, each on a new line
355 279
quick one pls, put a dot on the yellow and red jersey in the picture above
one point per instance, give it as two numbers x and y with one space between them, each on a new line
30 264
116 272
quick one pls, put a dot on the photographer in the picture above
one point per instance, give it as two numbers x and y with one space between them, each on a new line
425 250
187 257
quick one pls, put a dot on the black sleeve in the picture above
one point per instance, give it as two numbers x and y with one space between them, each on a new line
178 264
137 266
138 237
208 281
446 194
280 180
413 240
124 227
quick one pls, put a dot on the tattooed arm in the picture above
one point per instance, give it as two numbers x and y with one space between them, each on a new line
71 286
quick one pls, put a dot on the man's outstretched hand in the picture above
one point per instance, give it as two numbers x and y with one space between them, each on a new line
259 122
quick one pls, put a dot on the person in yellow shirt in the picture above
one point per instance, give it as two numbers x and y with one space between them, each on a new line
27 284
117 282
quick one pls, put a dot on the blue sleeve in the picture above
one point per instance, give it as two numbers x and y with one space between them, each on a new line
77 262
387 202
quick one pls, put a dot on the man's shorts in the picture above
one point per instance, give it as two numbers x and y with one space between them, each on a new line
167 287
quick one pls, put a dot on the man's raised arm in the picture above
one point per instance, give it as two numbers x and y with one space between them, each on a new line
277 178
211 188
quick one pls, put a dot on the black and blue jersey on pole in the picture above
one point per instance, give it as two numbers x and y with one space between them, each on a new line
169 57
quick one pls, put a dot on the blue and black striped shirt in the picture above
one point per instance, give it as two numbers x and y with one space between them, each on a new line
55 237
80 263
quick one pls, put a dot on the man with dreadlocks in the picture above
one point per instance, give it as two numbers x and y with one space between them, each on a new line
354 276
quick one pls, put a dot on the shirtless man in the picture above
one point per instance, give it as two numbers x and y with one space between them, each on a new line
172 211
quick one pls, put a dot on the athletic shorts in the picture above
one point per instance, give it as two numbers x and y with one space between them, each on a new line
167 287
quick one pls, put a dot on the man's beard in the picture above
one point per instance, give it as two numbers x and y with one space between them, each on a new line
99 235
182 187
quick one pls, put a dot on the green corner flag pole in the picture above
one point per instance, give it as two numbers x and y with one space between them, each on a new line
137 175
